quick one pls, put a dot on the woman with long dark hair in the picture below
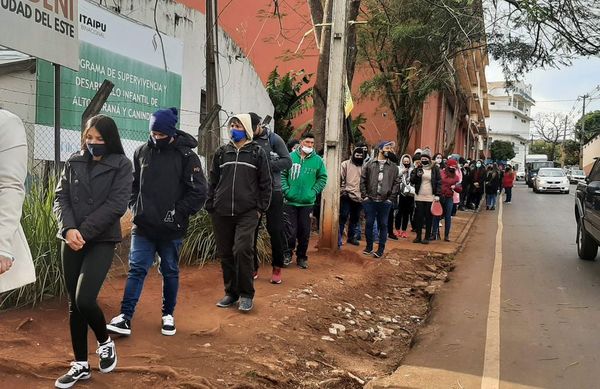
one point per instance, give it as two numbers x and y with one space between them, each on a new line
91 197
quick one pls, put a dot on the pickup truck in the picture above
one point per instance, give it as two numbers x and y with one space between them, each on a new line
587 214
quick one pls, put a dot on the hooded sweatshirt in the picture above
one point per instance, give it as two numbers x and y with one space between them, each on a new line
304 180
168 187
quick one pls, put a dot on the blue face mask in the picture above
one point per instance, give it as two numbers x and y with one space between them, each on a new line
237 135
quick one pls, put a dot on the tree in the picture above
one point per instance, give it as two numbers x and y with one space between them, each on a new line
592 126
358 127
411 47
502 150
540 147
552 128
571 149
288 98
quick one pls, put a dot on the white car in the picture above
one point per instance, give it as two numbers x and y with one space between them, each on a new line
551 180
576 176
521 176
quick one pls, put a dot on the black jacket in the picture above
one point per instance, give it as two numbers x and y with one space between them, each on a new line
477 176
436 179
493 182
369 182
279 156
239 181
92 196
168 187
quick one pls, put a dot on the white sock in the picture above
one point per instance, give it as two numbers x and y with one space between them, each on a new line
83 363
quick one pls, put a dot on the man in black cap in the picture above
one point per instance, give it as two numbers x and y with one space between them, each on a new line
168 187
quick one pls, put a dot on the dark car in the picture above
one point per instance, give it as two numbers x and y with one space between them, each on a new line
587 214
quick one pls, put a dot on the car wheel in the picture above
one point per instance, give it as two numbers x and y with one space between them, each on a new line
587 249
535 190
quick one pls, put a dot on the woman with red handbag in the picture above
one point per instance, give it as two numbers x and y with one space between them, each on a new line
426 178
450 186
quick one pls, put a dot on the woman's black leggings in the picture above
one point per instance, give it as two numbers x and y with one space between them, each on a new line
85 271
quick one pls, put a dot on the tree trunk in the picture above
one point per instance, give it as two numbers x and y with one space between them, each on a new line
320 88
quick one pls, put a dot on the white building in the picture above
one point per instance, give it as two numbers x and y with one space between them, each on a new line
510 117
178 41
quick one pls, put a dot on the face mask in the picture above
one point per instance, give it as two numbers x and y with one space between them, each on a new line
425 162
438 160
406 165
307 150
96 149
452 170
358 159
238 135
386 154
160 143
478 165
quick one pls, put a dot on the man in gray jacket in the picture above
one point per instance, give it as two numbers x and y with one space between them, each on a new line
379 183
279 160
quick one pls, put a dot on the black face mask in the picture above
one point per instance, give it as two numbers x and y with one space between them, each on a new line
406 165
358 160
97 149
425 162
159 143
452 171
386 154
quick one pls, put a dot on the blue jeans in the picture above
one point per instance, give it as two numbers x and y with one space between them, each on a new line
447 206
491 199
141 258
377 211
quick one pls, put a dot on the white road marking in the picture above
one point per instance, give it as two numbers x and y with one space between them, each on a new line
491 363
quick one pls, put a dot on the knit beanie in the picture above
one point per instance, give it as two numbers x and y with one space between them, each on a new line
164 121
426 153
386 143
255 120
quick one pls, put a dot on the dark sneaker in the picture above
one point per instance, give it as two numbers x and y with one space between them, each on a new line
392 237
368 251
303 263
227 301
168 325
276 276
353 242
378 254
76 373
287 259
108 356
446 239
417 240
425 241
119 325
246 304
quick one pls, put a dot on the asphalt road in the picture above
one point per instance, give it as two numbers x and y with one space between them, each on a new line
541 326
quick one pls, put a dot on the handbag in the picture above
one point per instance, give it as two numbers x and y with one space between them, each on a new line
436 209
408 190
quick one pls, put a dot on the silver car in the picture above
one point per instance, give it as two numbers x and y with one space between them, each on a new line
576 176
551 180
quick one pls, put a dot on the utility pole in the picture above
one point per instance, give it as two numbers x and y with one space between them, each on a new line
582 134
562 154
212 134
334 124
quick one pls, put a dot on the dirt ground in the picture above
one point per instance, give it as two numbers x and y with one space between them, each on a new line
347 319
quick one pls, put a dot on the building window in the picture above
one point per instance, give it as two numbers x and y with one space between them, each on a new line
492 103
516 117
523 121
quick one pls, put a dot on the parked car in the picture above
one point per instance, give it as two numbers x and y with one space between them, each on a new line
576 176
521 176
551 180
587 214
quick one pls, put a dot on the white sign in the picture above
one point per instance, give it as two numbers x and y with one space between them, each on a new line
46 29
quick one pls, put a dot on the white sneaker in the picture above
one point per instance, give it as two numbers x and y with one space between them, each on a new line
119 325
168 325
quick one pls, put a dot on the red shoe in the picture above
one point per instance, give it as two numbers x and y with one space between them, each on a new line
276 276
398 234
404 234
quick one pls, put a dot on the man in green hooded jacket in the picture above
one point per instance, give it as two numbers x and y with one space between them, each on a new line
300 185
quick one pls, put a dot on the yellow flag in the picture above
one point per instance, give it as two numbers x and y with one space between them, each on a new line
348 103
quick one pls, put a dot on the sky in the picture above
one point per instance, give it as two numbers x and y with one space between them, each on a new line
550 85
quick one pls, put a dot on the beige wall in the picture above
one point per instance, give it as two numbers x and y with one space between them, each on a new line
590 151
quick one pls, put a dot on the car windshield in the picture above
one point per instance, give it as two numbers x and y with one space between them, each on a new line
578 173
551 173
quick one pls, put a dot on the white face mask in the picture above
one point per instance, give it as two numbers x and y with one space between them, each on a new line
307 150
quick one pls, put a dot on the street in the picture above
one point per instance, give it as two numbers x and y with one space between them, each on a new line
538 327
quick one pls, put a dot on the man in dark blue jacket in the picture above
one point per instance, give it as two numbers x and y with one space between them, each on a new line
168 187
279 160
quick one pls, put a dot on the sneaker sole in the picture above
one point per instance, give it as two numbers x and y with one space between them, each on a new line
168 332
276 282
66 386
226 306
116 330
110 368
246 310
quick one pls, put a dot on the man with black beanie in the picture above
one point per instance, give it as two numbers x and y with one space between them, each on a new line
350 197
279 160
168 187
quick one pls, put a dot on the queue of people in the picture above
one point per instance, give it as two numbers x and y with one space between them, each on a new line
254 176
